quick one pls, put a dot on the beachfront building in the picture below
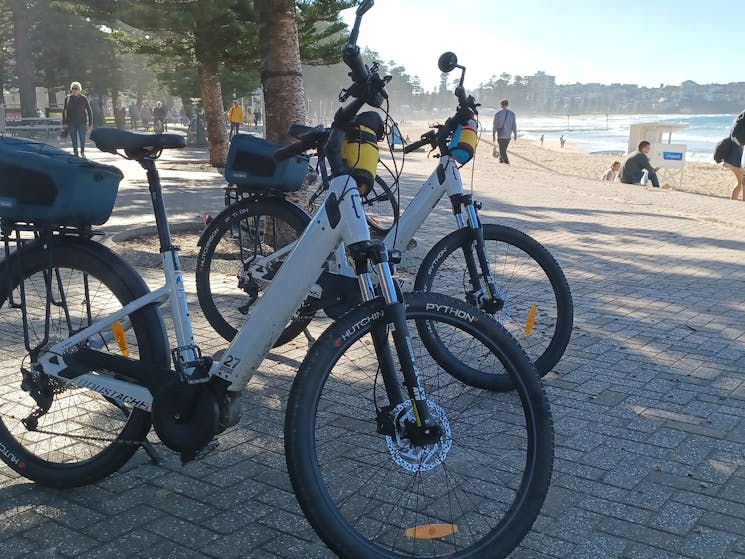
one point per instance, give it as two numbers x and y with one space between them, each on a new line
541 91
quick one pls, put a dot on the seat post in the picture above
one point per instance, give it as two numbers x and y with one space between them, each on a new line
156 197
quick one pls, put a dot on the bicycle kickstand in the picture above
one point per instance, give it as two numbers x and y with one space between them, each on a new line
310 338
151 452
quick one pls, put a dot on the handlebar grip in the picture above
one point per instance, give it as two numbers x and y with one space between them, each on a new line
416 145
352 58
290 150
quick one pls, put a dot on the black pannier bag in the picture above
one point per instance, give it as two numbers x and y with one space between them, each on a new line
738 130
44 185
251 166
722 149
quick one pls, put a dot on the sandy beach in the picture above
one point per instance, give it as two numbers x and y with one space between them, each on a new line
708 179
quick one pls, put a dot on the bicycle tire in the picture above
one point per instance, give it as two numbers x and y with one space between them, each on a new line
531 283
381 207
84 436
365 496
226 291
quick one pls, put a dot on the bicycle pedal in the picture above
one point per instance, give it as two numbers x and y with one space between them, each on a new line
192 455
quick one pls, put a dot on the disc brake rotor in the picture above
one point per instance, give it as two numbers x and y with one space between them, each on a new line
418 458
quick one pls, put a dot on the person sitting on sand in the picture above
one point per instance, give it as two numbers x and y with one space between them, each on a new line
633 168
612 174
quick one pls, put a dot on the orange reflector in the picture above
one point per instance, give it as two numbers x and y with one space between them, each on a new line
431 531
531 320
120 338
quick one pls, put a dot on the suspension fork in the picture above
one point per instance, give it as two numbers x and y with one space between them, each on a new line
395 314
475 239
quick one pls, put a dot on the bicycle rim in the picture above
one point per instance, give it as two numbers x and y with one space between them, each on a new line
230 274
381 206
473 493
534 301
84 435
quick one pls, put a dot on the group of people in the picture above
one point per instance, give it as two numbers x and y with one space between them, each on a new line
78 117
635 168
637 165
77 120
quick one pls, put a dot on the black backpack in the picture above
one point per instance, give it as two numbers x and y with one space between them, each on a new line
722 149
738 130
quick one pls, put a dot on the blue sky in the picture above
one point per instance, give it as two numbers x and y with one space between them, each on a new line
644 42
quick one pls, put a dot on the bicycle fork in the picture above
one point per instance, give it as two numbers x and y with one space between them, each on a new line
485 295
424 428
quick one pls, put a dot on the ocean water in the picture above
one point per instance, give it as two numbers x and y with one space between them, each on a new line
611 133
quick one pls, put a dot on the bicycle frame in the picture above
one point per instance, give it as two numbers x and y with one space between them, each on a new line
445 179
325 233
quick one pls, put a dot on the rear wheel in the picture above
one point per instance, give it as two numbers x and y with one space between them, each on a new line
371 486
381 207
82 436
235 263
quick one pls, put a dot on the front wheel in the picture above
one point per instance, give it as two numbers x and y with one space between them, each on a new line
372 488
533 301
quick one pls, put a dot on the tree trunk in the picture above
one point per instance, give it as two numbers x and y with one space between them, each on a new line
25 68
281 74
214 115
2 82
188 107
208 68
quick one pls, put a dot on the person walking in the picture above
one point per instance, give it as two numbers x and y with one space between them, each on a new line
146 115
503 129
729 152
235 118
159 118
133 116
77 117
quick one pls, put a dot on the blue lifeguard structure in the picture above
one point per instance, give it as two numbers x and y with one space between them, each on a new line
395 138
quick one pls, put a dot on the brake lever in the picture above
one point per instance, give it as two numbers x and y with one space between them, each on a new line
344 95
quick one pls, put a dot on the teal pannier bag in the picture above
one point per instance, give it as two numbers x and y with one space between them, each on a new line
44 185
251 166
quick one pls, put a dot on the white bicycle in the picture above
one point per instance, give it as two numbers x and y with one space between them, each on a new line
498 269
389 454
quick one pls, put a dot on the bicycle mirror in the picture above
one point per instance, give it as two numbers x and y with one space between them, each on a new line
447 62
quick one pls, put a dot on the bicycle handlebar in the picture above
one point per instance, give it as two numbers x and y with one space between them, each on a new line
427 139
313 138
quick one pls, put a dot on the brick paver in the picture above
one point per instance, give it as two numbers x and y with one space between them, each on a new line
648 400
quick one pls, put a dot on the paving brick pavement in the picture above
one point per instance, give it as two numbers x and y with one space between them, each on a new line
648 402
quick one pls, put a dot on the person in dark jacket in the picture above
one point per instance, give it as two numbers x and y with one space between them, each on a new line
633 168
159 118
77 117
